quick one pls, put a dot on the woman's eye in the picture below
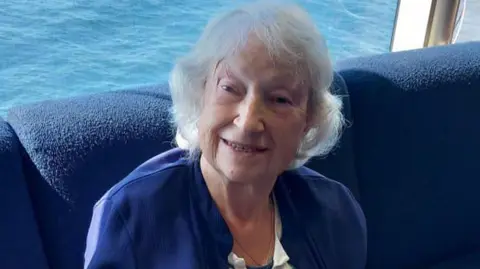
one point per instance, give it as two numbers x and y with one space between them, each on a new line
282 100
227 88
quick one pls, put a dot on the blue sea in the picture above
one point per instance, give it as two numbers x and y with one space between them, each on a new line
53 49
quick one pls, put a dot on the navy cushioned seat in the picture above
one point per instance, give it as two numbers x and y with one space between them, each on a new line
80 147
416 118
77 149
20 244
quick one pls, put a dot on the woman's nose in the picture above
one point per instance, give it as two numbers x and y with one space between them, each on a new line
251 115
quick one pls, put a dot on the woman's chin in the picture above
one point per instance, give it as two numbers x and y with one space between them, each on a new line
240 176
241 167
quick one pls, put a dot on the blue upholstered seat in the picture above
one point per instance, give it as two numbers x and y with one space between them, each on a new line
20 243
416 122
76 149
410 154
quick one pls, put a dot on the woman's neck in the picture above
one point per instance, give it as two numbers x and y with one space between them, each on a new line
238 202
247 210
241 204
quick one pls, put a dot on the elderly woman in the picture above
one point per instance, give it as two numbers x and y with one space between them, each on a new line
251 104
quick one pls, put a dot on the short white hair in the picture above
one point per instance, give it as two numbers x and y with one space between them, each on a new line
288 33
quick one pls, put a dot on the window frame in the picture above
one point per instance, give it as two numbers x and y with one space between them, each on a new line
425 23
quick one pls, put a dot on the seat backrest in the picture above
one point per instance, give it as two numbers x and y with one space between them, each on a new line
416 119
20 244
76 149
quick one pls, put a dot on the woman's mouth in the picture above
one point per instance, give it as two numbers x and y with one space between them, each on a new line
245 148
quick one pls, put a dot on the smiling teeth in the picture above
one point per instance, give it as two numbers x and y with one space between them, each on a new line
239 147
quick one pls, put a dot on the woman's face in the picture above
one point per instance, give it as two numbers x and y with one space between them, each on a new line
254 116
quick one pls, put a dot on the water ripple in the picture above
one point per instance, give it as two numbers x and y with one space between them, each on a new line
60 48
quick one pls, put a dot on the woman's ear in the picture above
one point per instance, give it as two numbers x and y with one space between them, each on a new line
308 124
309 121
311 115
306 129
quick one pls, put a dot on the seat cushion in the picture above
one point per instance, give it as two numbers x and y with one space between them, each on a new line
20 244
417 152
78 148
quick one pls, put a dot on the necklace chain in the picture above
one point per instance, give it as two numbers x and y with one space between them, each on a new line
269 244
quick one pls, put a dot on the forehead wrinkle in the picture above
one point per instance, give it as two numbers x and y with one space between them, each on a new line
271 77
254 60
229 68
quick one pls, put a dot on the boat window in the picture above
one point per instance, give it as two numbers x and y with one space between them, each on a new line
54 49
467 22
428 23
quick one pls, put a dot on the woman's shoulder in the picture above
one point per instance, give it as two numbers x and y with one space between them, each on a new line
313 193
160 176
304 179
330 212
152 200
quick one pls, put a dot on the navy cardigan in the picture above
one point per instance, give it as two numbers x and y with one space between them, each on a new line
162 216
